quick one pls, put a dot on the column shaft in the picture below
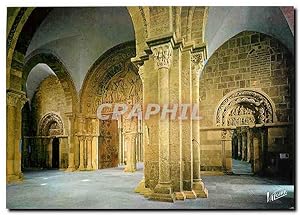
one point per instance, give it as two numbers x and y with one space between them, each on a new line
81 146
89 152
15 102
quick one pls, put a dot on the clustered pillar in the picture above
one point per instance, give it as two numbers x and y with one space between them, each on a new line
87 145
172 153
15 103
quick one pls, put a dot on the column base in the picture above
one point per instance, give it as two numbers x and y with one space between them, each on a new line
81 168
180 196
190 194
130 168
163 192
141 189
14 178
89 168
70 169
200 189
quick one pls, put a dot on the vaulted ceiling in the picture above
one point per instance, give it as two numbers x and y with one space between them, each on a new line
78 36
225 22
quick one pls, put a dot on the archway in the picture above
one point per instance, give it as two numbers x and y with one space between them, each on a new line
114 79
245 112
47 147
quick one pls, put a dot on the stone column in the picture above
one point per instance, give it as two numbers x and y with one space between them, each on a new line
244 142
162 55
71 140
239 143
249 144
15 102
186 125
264 148
120 155
197 59
141 187
130 137
256 151
81 140
89 140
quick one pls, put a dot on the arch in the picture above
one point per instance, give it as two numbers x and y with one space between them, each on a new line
28 17
26 21
225 22
254 98
50 124
61 72
109 64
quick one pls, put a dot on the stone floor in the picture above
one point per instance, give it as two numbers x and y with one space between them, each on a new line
241 167
113 189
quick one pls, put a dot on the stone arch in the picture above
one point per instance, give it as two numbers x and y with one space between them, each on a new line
50 124
61 72
193 23
25 22
112 62
24 16
197 25
245 106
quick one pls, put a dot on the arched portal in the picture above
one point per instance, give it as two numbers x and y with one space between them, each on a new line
47 148
114 79
246 112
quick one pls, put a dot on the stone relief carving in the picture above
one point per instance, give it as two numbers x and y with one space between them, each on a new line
50 124
197 60
16 100
162 56
231 112
125 87
116 64
241 115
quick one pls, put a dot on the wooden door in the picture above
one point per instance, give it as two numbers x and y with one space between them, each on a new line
108 144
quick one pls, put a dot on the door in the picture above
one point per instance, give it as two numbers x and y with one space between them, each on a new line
55 153
108 144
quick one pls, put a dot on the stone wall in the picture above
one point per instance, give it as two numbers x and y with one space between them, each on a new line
49 97
250 60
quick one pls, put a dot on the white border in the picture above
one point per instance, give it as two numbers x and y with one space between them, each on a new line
12 3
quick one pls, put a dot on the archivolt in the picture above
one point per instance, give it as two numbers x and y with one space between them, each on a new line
50 122
258 100
60 70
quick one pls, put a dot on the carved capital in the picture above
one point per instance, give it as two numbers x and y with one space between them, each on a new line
227 134
89 138
197 61
163 55
16 99
81 138
81 124
141 73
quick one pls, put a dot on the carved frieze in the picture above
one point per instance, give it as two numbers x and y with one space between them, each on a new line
231 109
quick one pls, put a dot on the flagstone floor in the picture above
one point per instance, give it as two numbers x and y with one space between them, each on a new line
113 189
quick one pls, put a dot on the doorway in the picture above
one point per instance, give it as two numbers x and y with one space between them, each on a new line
242 156
55 153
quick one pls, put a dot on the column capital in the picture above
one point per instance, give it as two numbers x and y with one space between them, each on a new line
197 61
81 138
162 55
16 98
89 138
